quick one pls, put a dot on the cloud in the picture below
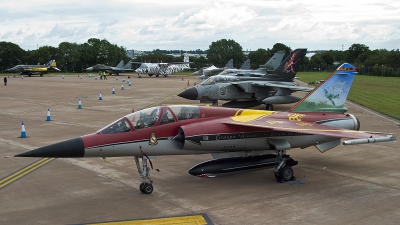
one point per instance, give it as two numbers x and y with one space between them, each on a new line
175 24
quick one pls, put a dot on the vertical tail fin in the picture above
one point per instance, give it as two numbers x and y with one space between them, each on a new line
229 65
53 63
120 64
288 68
185 58
128 65
330 95
246 65
274 62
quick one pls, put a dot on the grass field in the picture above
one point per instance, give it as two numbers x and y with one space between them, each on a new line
381 94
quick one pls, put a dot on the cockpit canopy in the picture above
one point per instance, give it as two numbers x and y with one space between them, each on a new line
219 79
155 116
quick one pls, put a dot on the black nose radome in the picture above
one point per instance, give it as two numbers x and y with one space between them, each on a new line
190 94
66 149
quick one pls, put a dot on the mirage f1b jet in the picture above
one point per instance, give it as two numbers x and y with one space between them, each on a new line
238 139
34 69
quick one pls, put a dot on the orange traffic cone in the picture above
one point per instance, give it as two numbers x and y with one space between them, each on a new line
188 83
182 78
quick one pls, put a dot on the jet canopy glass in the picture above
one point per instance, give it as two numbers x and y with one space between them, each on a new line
155 116
219 79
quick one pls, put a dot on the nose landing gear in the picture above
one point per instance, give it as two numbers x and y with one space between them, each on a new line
144 171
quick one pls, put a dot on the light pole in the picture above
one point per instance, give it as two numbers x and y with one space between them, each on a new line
382 70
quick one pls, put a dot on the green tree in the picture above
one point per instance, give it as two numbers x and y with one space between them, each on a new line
11 54
279 46
199 62
354 51
221 51
327 57
258 57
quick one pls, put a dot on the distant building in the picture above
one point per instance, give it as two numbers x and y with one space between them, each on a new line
134 53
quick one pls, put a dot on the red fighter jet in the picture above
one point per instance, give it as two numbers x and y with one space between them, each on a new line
238 140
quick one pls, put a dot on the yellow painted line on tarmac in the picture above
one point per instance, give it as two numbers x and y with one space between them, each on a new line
24 171
181 220
165 99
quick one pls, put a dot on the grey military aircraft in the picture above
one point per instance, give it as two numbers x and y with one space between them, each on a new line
250 91
34 69
213 70
246 70
120 68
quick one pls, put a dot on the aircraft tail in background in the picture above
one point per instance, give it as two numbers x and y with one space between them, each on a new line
229 65
330 95
120 64
246 65
274 62
288 68
128 65
185 58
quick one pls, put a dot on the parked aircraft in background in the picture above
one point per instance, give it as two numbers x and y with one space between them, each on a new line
238 139
34 69
253 89
120 68
213 70
268 67
164 69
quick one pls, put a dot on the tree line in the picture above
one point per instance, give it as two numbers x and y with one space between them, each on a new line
75 57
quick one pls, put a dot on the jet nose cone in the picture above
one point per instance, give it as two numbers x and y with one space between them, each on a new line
190 93
89 69
66 149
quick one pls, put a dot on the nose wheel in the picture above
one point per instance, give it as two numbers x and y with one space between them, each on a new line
144 171
146 188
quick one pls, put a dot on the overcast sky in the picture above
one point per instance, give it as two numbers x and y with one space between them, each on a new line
194 24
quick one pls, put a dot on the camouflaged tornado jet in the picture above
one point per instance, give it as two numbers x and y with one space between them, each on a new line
255 88
268 67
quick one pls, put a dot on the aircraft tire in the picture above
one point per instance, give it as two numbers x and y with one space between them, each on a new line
286 173
269 107
147 188
141 187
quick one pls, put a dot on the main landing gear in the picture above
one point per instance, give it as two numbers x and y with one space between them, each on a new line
283 171
144 171
269 107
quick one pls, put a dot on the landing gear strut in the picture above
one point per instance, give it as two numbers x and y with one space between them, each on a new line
283 171
144 171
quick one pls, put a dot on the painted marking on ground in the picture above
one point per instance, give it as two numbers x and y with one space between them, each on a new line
24 171
200 219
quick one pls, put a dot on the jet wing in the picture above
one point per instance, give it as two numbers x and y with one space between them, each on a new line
299 127
291 87
248 86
